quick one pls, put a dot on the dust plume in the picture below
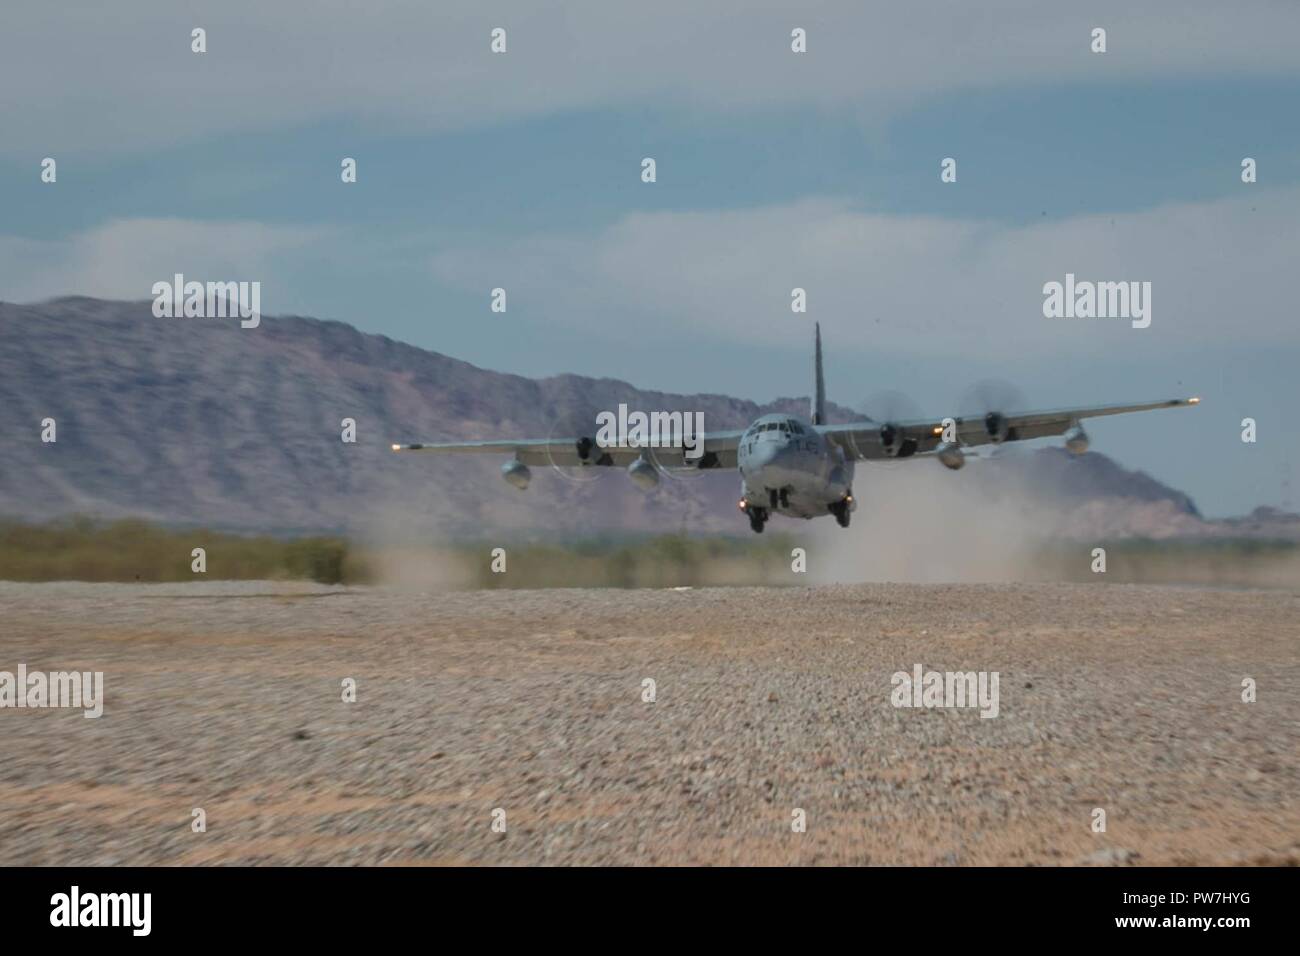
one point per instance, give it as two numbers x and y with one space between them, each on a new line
928 524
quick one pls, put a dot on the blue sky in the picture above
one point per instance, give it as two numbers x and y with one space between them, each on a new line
522 171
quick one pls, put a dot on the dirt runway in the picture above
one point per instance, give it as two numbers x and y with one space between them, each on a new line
228 697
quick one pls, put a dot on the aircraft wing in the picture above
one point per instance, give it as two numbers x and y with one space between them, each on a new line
872 440
719 451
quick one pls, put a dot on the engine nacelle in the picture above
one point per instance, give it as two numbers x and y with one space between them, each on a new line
995 426
643 474
894 444
1076 440
516 473
889 439
951 455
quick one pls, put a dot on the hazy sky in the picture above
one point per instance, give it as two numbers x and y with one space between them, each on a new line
820 170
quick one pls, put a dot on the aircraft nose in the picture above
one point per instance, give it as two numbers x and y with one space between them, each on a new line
763 453
769 454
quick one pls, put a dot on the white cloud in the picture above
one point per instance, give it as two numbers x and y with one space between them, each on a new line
73 77
1220 271
122 259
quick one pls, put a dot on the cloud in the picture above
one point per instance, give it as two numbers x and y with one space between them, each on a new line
1221 272
123 258
74 79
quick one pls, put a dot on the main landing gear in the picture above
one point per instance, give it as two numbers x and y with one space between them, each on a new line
842 510
757 515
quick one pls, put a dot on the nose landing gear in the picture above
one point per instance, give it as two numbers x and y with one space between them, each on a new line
778 498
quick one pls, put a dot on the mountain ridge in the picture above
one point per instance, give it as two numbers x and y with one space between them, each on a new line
198 421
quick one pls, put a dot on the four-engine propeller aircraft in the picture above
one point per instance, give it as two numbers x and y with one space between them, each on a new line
797 468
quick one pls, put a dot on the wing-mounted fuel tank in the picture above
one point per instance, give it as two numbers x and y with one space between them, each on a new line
643 474
951 455
516 473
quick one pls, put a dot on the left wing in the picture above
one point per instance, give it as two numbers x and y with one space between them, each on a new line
873 440
719 451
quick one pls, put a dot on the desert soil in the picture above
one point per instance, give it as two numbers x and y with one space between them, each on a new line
228 697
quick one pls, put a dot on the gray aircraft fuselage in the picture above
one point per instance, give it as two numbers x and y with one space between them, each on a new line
787 467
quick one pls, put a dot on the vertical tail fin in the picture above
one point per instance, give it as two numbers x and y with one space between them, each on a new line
819 393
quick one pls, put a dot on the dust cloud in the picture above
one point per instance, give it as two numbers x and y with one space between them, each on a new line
931 525
411 552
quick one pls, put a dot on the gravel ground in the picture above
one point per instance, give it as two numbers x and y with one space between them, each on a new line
227 697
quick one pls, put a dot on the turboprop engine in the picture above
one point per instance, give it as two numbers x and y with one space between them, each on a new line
889 439
516 473
893 444
995 426
643 474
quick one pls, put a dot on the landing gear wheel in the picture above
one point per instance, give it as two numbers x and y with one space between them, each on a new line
757 518
842 513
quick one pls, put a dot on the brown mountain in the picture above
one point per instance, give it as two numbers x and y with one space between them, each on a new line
197 421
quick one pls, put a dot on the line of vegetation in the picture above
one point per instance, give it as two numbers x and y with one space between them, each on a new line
1217 562
660 561
85 549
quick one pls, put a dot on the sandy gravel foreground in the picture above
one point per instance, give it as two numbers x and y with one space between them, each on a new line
227 697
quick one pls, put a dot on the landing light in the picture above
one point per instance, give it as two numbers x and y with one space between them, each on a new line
1193 401
397 448
742 504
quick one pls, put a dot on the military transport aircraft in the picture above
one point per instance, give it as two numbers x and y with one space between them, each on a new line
797 468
